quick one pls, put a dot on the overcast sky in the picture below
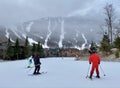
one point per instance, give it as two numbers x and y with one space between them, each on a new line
18 11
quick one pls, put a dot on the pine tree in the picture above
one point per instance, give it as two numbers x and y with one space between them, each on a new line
33 48
106 38
105 43
117 43
17 49
37 48
117 54
93 46
40 50
10 50
27 48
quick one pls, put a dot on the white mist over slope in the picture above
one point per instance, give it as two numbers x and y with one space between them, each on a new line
28 28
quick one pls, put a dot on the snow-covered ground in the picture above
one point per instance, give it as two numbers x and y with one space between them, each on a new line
61 73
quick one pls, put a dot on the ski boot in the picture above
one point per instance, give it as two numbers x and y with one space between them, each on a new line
97 76
90 76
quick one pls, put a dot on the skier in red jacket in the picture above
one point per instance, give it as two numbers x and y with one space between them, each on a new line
95 60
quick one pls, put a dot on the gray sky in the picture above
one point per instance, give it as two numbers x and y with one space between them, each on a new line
18 11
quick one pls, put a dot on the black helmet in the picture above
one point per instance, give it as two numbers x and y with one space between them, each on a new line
93 51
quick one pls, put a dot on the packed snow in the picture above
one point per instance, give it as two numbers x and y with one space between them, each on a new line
31 41
61 73
83 45
49 34
62 34
8 35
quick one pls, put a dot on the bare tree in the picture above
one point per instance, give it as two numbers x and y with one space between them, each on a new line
117 27
109 12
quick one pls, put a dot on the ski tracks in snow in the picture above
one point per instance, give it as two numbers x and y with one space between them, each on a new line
7 33
83 45
62 34
49 34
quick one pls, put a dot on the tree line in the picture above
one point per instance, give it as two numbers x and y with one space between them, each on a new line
111 37
16 51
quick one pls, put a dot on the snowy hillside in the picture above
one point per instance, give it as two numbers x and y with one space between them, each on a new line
55 32
61 73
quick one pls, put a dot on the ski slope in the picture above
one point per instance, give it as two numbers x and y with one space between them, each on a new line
61 73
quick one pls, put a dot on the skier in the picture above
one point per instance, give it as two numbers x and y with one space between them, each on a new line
29 62
37 63
95 60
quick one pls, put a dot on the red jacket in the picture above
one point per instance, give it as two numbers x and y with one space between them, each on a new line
94 59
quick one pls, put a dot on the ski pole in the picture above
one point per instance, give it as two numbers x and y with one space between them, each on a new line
88 70
102 70
33 67
30 69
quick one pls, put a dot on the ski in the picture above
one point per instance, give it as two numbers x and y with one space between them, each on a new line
94 77
89 77
41 73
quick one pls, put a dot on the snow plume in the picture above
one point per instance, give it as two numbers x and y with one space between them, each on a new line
62 34
31 41
48 36
8 35
77 47
83 45
29 26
